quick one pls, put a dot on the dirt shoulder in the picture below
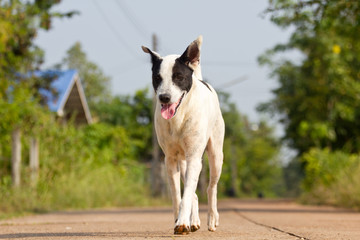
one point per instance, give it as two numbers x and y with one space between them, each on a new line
239 219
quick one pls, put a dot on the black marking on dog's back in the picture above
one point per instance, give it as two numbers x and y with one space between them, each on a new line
182 75
206 84
156 78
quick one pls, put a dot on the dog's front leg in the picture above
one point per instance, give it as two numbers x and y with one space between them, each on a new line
195 220
193 168
173 173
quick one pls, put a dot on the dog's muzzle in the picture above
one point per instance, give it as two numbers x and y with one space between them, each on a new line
168 111
164 98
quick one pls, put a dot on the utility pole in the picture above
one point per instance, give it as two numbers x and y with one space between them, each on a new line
157 178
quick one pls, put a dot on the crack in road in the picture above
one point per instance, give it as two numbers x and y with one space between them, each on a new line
270 227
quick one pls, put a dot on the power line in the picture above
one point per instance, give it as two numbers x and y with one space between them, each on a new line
137 24
228 63
126 67
132 19
232 82
114 31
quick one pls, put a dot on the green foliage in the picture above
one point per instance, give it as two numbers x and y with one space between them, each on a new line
84 167
134 113
19 23
251 156
318 97
93 161
101 164
293 177
80 168
332 178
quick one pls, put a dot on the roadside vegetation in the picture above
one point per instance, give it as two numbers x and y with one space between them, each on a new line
107 163
318 95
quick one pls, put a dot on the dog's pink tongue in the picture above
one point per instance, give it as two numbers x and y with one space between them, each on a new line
168 110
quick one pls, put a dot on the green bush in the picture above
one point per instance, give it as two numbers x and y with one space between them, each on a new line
251 156
332 178
86 167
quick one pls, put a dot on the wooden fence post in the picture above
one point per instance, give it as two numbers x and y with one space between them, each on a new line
16 156
34 160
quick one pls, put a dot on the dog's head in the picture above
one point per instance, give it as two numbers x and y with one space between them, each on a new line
172 76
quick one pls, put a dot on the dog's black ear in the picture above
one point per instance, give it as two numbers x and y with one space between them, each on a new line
155 57
191 56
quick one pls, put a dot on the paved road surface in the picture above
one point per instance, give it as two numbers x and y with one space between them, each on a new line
239 219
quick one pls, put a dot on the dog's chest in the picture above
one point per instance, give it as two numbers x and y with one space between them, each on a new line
170 140
176 137
171 133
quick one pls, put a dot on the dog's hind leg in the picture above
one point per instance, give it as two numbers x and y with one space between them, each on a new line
215 154
173 172
194 219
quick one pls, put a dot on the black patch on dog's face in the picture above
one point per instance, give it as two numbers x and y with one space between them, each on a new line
182 75
156 78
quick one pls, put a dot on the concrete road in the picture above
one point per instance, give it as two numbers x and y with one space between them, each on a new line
239 219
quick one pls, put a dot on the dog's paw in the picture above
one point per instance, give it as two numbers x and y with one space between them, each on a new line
213 221
182 229
212 227
194 228
195 223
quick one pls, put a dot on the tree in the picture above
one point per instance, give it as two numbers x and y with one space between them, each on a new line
19 23
19 58
96 84
251 164
134 114
318 97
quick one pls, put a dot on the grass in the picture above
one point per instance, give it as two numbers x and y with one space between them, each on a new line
102 187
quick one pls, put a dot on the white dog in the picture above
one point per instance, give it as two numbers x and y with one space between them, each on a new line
188 121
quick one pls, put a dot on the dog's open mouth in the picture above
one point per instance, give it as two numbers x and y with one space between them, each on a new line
169 110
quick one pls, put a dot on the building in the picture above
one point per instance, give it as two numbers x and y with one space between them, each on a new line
70 101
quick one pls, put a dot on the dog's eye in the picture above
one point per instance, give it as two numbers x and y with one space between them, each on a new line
178 76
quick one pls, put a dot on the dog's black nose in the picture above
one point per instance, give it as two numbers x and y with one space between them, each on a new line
164 98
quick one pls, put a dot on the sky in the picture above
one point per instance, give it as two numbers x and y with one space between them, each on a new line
111 33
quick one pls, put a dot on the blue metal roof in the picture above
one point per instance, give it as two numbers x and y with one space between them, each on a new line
61 85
